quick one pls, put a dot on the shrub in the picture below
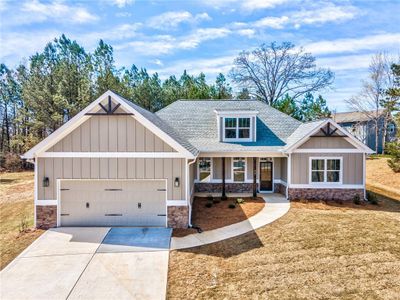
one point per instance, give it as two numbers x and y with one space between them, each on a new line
372 198
232 205
356 199
12 162
23 224
394 150
239 201
209 204
210 198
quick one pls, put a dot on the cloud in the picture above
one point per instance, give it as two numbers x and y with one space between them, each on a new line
370 42
261 4
345 62
121 3
165 44
272 22
210 67
36 11
157 62
325 14
246 32
248 5
15 46
172 19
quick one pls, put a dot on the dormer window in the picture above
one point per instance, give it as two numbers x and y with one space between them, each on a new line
237 125
237 128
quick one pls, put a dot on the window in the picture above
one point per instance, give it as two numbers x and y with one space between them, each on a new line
239 169
204 169
326 170
237 128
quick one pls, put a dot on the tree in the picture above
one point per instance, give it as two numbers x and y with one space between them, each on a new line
373 92
288 106
272 71
313 109
105 72
393 93
309 109
244 94
221 89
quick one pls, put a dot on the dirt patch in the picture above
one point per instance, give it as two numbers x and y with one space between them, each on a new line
219 214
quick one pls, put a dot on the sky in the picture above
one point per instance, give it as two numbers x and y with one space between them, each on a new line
205 36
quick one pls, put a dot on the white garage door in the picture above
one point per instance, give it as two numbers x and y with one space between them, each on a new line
113 203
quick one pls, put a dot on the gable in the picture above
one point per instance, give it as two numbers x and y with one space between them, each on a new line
151 134
324 135
321 142
111 134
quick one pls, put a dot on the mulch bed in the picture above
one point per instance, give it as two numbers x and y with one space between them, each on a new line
219 214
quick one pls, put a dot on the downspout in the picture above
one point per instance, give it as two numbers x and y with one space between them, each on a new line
289 175
187 189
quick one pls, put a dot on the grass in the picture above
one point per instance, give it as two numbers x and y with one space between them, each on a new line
316 251
381 179
219 214
16 206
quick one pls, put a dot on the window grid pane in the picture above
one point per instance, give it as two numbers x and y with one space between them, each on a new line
239 169
230 122
318 164
204 169
333 164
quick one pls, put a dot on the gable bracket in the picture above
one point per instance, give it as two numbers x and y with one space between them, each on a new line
329 132
109 110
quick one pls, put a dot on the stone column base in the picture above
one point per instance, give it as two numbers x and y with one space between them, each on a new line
279 188
325 194
232 187
178 216
46 216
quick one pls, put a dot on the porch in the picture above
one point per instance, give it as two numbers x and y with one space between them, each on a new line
251 175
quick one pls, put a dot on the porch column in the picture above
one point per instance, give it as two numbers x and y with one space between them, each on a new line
254 177
223 197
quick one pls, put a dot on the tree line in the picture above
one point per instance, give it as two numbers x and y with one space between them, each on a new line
41 94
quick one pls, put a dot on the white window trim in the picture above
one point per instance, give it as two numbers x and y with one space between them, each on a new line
211 170
325 158
251 129
245 170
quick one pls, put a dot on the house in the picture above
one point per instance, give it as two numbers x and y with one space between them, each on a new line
363 128
117 164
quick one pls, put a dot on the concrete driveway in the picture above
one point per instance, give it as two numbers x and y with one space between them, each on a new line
91 263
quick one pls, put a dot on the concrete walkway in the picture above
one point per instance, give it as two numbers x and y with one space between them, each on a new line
91 263
276 206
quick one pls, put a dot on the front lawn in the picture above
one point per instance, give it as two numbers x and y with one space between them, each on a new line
316 251
16 215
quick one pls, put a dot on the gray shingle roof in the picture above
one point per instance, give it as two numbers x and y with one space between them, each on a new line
196 122
354 116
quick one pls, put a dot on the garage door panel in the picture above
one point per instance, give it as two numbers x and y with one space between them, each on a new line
113 203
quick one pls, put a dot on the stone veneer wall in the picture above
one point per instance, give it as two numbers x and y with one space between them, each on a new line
236 187
279 188
325 194
46 216
178 216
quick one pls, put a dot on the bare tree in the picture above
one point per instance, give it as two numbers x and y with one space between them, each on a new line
271 71
372 95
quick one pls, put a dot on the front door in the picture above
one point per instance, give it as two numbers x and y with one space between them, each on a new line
266 176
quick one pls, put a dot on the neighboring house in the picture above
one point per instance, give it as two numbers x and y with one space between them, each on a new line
117 164
359 125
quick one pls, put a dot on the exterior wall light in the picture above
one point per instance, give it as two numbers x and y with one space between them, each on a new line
46 181
176 182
